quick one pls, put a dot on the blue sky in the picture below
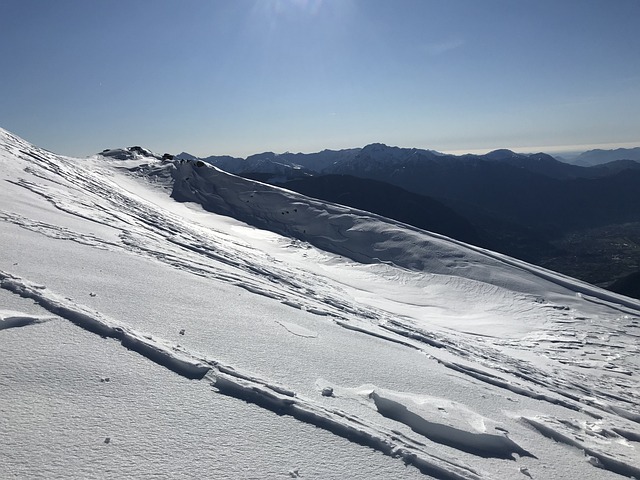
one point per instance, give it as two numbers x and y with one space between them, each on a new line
245 76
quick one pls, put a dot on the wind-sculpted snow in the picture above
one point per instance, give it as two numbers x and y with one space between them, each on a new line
344 425
359 235
94 322
574 391
355 234
296 289
496 445
9 319
574 434
147 230
235 383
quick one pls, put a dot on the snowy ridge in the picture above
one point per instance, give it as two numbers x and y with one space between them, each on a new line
362 236
470 360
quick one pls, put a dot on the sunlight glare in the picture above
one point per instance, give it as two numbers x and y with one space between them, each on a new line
280 7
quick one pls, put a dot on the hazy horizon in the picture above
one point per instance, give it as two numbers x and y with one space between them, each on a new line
557 150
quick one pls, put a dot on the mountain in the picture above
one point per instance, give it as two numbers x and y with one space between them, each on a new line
502 186
317 162
163 317
530 206
226 162
188 156
278 167
597 156
543 164
423 212
378 156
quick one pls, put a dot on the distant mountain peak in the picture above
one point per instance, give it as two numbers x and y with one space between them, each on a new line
186 156
376 147
501 154
599 156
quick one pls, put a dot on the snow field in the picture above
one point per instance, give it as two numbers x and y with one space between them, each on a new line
457 361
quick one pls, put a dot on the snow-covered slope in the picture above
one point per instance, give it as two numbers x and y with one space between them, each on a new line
165 318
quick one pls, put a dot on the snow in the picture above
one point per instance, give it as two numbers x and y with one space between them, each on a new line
248 331
11 319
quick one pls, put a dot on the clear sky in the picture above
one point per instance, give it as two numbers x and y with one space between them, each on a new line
245 76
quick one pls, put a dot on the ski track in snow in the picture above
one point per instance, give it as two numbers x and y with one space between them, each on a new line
574 345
